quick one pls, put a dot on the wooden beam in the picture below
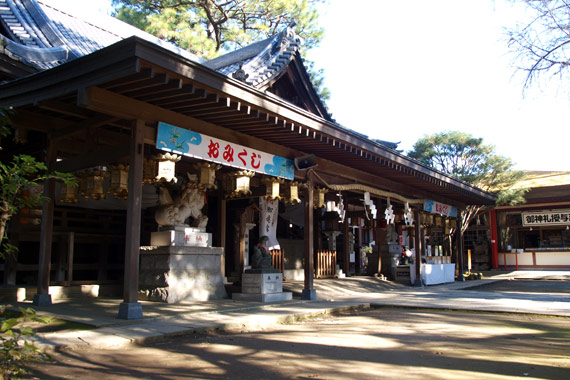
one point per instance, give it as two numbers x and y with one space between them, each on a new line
109 103
29 120
77 128
115 153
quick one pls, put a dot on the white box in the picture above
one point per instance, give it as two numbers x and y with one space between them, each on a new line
187 237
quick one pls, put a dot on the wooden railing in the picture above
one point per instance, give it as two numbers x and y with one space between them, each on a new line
325 264
277 259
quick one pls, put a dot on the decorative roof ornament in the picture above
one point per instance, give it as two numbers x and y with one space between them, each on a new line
240 74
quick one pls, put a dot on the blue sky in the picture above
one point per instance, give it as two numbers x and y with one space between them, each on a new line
399 70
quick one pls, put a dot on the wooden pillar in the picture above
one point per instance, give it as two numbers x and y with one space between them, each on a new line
70 251
418 245
309 293
494 239
346 260
130 308
460 258
222 223
42 297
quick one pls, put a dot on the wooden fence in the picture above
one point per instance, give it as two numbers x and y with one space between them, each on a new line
277 260
325 264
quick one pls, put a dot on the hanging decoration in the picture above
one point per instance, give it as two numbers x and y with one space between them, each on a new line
389 213
241 181
268 217
207 174
150 169
319 198
167 167
408 215
20 135
368 202
293 194
119 185
69 193
341 210
272 188
94 183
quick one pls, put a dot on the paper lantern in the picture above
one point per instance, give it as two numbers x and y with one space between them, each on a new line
94 186
242 180
167 167
69 193
272 186
319 198
119 186
293 194
207 174
150 168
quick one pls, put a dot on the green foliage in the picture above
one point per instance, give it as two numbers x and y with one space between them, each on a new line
466 158
213 27
16 343
208 28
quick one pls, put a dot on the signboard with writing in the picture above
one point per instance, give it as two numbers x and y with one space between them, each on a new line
192 144
268 221
546 218
440 208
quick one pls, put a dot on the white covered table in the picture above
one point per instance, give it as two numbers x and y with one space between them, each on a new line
437 273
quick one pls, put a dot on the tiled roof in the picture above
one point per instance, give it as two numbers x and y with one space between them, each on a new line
259 63
44 36
534 179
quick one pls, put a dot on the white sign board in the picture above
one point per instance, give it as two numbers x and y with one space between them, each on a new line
546 218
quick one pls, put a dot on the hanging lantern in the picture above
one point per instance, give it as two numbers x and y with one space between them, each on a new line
207 174
438 221
242 179
82 188
150 168
94 187
167 167
69 193
20 135
293 194
119 181
272 188
319 198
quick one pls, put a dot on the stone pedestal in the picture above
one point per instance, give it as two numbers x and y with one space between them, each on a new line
262 286
172 274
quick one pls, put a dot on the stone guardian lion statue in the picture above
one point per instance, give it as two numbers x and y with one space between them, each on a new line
188 204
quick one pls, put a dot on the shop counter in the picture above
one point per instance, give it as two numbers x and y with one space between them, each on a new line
437 273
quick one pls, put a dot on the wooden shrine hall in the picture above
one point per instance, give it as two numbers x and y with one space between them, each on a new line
240 128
